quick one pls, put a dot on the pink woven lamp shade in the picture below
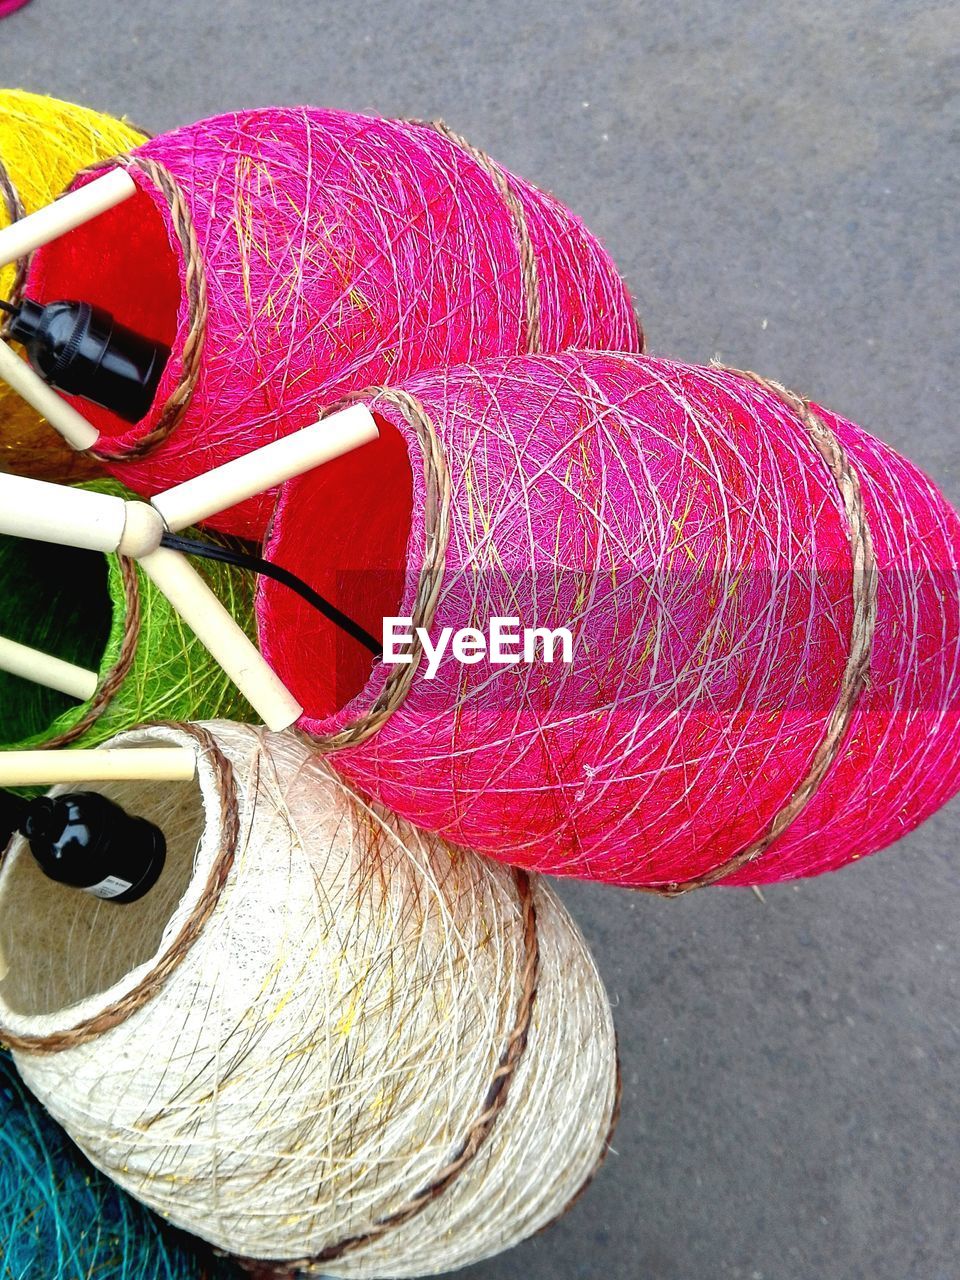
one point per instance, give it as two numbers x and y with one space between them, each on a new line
289 256
748 700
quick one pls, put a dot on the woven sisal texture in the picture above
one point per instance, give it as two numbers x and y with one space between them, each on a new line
291 255
368 1053
764 604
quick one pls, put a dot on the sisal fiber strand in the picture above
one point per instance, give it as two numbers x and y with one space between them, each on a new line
763 600
324 1039
61 1219
291 255
103 613
43 142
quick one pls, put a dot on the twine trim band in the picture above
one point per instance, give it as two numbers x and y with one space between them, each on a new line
436 522
15 211
11 196
528 254
483 1125
195 288
862 629
152 982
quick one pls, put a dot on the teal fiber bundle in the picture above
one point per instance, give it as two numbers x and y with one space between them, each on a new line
60 1219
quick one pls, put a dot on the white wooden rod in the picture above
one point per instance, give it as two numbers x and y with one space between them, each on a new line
42 668
225 639
120 764
255 472
71 210
73 426
58 513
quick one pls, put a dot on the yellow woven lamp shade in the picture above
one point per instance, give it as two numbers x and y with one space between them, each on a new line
43 143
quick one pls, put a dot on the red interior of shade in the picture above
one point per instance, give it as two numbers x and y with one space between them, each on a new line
344 529
122 261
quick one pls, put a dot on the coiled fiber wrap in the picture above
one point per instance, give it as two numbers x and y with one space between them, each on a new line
290 255
103 613
323 1035
43 142
745 688
60 1219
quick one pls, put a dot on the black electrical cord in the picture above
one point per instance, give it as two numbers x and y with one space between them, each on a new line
243 560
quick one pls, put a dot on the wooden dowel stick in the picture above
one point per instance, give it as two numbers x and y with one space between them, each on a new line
71 210
223 487
42 668
226 641
121 764
73 426
59 513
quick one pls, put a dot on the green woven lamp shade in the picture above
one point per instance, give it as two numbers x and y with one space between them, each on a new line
102 613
